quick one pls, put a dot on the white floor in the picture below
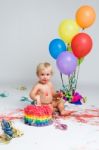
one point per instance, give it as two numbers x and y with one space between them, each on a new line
78 136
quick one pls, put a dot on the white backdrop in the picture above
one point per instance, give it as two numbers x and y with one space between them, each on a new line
26 29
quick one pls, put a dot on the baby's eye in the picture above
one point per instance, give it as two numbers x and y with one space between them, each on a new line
48 74
42 74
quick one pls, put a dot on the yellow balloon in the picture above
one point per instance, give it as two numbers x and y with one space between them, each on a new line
68 29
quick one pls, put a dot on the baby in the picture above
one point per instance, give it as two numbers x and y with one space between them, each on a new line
43 92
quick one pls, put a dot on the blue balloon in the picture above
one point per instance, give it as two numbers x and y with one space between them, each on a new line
56 47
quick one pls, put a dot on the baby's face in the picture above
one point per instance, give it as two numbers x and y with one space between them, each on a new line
44 75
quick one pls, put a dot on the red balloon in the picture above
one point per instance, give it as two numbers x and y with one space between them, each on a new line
81 45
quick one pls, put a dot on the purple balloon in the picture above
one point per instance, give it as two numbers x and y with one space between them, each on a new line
66 62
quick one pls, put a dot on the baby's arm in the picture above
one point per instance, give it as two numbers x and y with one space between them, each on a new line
34 94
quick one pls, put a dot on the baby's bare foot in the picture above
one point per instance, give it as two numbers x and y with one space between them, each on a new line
67 113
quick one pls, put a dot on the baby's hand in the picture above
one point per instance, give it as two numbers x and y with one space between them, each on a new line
38 103
58 95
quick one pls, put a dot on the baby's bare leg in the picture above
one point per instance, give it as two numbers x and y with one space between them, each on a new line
51 106
62 109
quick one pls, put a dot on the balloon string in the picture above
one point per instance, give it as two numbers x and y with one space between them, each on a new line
69 78
62 79
77 76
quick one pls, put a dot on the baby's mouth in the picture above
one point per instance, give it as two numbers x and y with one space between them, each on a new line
45 80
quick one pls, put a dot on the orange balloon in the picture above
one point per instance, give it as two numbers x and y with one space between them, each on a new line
85 16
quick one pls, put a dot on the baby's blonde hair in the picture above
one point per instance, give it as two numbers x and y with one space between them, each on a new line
43 66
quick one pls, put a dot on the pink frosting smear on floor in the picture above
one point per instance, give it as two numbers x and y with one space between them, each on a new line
88 116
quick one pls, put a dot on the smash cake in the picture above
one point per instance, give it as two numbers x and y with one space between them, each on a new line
38 115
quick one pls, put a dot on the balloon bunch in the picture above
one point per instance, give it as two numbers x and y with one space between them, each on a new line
73 45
